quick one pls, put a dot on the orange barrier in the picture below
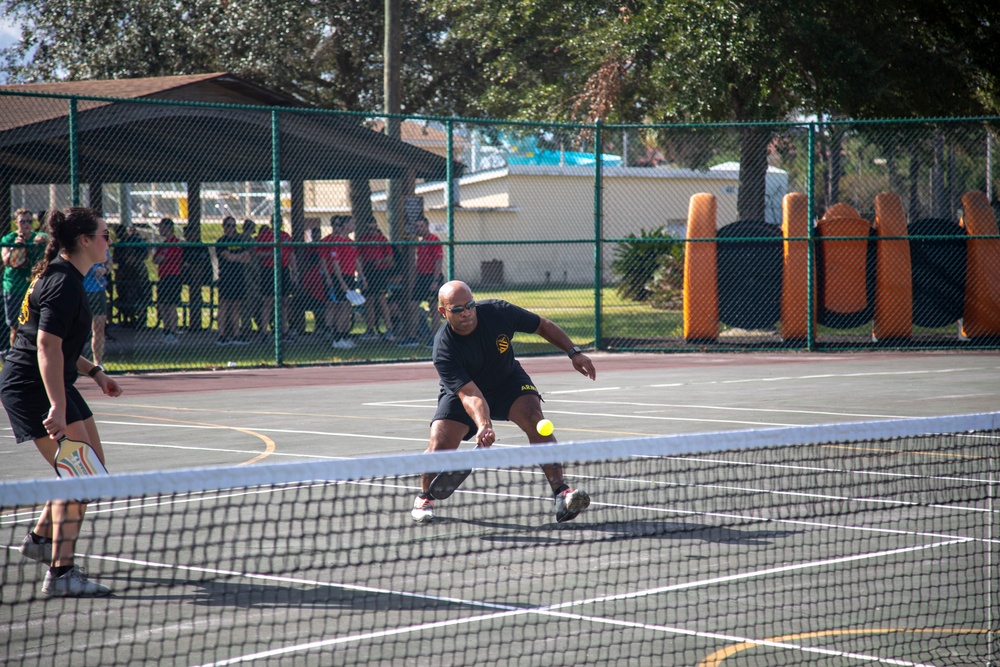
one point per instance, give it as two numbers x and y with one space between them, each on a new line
795 270
893 316
981 315
701 294
842 264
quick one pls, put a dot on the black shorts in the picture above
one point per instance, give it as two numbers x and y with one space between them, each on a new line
517 385
232 287
168 291
27 406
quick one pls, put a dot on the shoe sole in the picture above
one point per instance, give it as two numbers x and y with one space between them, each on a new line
49 594
423 519
578 501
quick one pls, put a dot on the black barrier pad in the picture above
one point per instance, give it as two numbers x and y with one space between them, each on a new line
938 269
749 275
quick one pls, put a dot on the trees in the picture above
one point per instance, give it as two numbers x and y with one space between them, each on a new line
326 53
627 61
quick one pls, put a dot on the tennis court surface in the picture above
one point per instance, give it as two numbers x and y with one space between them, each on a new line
776 509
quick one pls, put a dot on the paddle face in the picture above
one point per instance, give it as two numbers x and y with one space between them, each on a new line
445 483
77 459
355 297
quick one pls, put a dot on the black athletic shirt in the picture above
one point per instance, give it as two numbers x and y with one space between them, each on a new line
485 356
57 304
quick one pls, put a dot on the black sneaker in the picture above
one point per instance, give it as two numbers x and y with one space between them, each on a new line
569 504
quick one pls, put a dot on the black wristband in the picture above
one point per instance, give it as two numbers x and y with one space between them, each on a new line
94 371
573 350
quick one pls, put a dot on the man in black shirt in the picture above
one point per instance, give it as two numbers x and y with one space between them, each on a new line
481 381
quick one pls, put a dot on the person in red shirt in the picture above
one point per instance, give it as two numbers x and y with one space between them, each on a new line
289 276
168 260
376 263
430 274
339 264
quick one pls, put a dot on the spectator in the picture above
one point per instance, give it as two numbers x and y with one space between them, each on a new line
339 265
168 259
95 284
312 293
430 276
376 264
131 277
198 275
289 277
233 257
22 249
251 276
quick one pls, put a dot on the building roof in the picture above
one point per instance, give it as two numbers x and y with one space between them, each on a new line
136 141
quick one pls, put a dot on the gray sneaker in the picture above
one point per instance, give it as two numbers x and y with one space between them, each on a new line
40 551
73 584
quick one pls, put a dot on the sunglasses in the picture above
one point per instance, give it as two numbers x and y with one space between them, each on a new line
106 235
457 310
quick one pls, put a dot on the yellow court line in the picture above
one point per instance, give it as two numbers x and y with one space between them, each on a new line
715 659
269 446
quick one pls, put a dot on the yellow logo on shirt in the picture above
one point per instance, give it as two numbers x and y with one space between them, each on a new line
23 318
503 343
528 387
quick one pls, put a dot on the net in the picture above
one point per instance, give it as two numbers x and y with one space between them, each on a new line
866 543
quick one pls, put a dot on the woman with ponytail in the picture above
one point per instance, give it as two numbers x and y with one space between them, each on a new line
36 385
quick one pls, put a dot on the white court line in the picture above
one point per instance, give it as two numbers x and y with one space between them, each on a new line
732 409
270 430
581 391
825 376
626 415
553 610
663 418
548 610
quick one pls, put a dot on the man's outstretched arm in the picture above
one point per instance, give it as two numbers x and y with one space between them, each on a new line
551 332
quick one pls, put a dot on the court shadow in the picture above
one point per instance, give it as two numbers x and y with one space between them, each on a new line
629 530
225 593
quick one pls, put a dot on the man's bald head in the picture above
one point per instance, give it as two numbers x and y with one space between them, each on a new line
456 305
454 292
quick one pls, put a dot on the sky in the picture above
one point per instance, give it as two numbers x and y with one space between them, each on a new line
9 33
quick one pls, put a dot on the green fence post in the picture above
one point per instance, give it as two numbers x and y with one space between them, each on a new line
276 225
74 166
810 248
449 177
598 247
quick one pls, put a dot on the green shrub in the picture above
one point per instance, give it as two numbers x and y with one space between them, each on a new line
638 258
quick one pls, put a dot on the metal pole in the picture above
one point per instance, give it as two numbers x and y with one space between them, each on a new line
598 246
810 248
450 179
74 166
989 165
276 225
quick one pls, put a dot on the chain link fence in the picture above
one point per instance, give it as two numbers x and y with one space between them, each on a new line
812 235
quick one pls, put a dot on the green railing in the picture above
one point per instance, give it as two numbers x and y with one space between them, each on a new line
589 225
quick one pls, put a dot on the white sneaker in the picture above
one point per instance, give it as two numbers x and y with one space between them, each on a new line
423 510
73 584
40 551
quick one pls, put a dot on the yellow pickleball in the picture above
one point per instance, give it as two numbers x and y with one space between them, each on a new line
545 427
